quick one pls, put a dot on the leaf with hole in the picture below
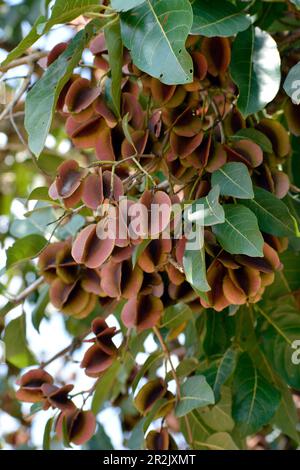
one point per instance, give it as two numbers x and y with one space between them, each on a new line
155 34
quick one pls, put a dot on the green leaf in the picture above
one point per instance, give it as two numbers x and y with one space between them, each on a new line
195 393
175 315
47 434
125 5
136 439
286 417
105 386
210 210
225 370
24 249
139 249
26 43
199 430
291 84
154 358
40 194
42 98
38 312
255 68
218 333
115 54
16 348
64 11
256 136
283 328
218 417
240 233
218 18
66 437
155 33
234 180
255 400
195 270
218 441
100 440
272 214
49 163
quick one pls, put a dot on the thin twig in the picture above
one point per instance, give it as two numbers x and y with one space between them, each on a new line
175 377
26 292
34 57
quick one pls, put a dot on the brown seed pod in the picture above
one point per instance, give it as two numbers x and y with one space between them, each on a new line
217 51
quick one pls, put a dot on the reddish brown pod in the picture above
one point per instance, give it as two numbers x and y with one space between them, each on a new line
142 312
150 393
292 115
31 385
67 185
58 397
80 426
89 249
160 440
101 355
217 51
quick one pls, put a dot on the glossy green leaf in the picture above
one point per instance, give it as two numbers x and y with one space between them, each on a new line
104 386
218 18
40 194
195 269
47 434
217 441
125 5
155 33
218 417
24 249
38 311
219 330
256 136
42 98
286 417
224 371
255 68
100 440
240 233
16 347
255 400
114 45
138 250
291 84
209 210
272 213
64 11
153 359
195 393
234 180
175 315
281 341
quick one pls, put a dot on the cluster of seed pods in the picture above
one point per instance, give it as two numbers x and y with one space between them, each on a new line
177 131
161 149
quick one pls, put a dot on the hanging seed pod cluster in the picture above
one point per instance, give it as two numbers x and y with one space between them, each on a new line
181 172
